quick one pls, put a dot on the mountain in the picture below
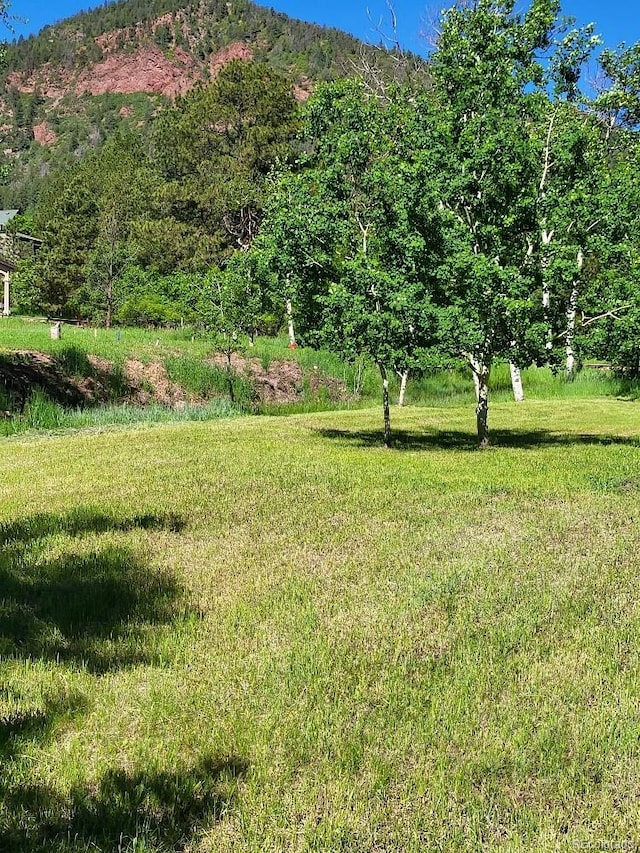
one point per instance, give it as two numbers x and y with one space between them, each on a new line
67 89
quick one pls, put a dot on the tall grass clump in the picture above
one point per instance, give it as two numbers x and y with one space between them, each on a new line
208 380
541 383
438 388
455 387
43 414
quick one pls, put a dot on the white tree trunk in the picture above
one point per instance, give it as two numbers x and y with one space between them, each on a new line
546 235
516 382
292 336
385 405
481 372
403 387
6 308
570 368
476 383
545 263
572 308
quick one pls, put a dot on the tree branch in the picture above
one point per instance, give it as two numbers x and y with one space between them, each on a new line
547 156
588 321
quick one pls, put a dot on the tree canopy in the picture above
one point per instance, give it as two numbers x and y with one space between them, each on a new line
463 220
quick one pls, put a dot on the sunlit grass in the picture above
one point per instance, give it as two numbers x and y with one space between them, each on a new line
273 634
115 344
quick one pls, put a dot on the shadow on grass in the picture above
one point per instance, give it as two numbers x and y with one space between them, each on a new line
84 603
21 728
145 811
124 811
69 598
79 521
466 441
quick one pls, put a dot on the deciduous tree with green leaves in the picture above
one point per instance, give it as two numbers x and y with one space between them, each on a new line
585 143
608 324
230 305
484 70
349 236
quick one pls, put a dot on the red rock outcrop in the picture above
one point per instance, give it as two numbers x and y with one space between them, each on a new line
303 91
43 134
236 50
49 81
146 70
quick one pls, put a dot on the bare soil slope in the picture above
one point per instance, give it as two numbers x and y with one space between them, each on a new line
89 380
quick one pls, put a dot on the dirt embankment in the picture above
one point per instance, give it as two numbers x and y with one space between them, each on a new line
283 381
78 380
74 379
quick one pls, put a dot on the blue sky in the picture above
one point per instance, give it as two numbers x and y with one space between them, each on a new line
617 20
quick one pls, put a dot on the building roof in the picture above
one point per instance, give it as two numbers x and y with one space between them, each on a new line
6 216
19 235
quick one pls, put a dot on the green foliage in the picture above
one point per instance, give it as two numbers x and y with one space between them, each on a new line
620 96
611 269
66 219
417 211
487 289
5 24
215 149
26 292
196 376
113 212
92 218
146 298
349 238
151 309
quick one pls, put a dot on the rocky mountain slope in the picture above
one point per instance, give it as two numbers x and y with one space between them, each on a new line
71 86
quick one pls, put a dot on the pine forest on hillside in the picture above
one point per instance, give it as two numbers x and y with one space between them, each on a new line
76 83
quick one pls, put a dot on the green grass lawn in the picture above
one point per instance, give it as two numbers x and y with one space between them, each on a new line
270 634
19 333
